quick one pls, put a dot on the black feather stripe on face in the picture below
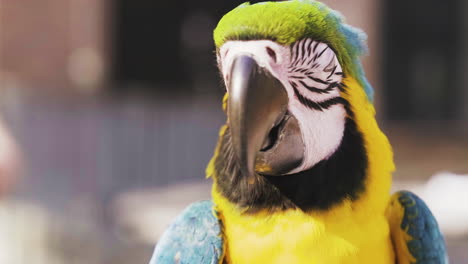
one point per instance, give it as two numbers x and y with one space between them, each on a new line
319 106
309 68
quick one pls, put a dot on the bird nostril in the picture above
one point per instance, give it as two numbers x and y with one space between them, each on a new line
272 53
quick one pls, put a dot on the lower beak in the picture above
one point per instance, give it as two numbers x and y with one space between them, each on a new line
257 101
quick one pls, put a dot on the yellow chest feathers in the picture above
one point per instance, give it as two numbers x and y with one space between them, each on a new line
294 237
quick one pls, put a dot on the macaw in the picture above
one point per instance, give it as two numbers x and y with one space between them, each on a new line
301 172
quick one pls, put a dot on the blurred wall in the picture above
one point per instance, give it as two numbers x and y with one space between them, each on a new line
422 63
464 67
56 46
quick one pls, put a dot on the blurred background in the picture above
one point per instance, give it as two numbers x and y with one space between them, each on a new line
111 111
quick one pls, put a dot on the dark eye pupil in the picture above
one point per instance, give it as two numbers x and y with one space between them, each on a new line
272 53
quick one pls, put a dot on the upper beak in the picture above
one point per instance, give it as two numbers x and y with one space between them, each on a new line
256 102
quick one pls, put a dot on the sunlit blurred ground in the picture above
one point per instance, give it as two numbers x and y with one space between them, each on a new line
103 176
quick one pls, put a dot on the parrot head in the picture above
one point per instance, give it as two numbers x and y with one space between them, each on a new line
291 139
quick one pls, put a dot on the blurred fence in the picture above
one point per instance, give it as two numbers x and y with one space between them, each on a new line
80 156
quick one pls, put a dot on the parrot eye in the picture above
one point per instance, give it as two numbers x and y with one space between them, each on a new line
272 53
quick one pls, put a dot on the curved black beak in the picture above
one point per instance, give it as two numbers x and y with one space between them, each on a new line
257 101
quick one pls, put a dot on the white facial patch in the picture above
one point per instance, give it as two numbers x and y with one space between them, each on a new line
268 55
311 74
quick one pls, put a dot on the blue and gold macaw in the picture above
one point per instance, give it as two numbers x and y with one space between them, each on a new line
301 172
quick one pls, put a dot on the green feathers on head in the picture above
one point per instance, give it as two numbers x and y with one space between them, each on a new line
289 21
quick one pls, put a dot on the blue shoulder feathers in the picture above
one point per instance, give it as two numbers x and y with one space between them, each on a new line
194 237
426 243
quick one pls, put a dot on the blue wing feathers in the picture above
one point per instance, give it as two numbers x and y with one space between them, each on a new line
194 237
427 244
